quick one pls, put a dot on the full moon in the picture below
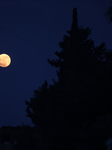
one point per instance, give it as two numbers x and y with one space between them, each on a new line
5 60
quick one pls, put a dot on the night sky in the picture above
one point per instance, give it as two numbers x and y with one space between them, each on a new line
30 32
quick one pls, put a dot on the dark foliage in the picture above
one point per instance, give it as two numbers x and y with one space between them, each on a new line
81 95
109 14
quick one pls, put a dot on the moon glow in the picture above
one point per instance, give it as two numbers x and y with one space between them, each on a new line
5 60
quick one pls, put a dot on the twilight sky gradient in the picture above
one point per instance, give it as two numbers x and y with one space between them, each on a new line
30 32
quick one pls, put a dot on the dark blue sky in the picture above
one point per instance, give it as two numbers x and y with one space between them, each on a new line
30 32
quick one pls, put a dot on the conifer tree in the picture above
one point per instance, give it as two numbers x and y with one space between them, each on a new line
80 95
81 70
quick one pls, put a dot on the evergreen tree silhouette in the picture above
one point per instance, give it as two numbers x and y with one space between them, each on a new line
80 96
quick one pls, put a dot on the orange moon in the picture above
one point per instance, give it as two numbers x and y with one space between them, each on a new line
5 60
